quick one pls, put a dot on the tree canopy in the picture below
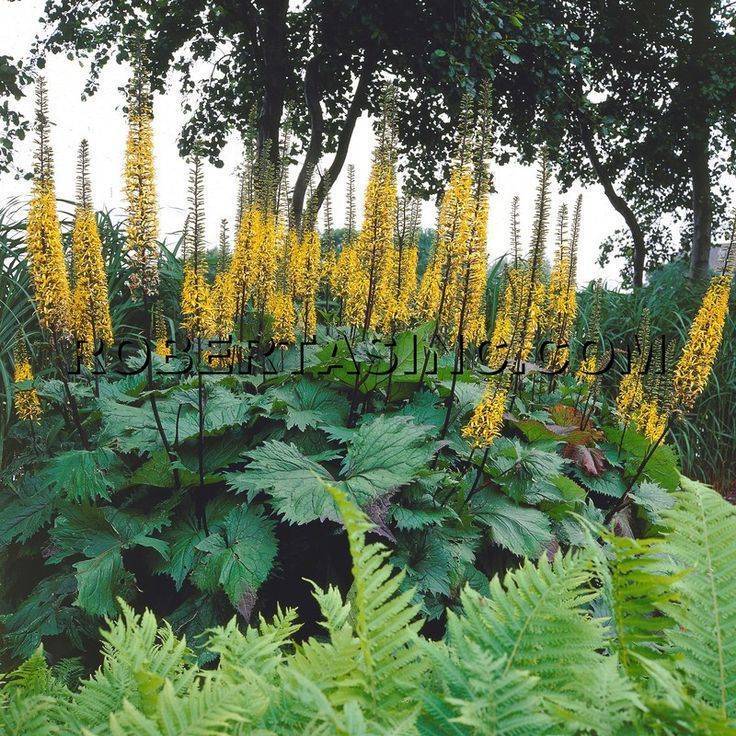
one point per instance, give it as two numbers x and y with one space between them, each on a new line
646 108
321 64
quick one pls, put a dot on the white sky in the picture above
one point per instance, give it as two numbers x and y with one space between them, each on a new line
101 121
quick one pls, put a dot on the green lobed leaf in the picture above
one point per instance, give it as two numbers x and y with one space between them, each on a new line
522 530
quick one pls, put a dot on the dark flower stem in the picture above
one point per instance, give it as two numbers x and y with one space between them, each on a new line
624 500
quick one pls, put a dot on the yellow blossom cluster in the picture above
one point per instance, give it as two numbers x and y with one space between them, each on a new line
522 306
47 267
25 401
696 362
486 421
562 290
140 186
91 314
161 334
631 387
369 295
402 278
197 312
305 275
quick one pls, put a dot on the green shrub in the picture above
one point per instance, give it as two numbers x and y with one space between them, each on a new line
627 637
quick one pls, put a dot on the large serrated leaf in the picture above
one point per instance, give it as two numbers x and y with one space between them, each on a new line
239 556
85 475
312 404
520 529
295 482
386 453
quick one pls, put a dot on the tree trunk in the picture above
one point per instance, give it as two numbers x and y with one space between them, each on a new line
312 97
699 144
358 104
273 33
314 151
618 202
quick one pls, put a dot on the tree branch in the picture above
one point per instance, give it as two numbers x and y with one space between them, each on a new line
357 105
618 202
312 92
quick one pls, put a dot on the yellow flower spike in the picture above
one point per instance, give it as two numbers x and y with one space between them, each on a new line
327 268
631 388
650 421
402 283
353 287
223 304
561 295
26 402
196 300
224 298
140 185
369 286
284 318
532 290
486 421
266 253
428 296
92 322
47 267
454 227
524 296
694 367
306 277
466 305
162 334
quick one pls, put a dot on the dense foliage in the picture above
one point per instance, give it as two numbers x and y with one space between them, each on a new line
256 403
623 637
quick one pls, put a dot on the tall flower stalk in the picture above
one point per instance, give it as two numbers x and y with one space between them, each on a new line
223 289
196 304
403 275
305 275
369 292
531 289
465 313
140 184
677 391
695 365
47 267
562 291
141 226
437 291
92 322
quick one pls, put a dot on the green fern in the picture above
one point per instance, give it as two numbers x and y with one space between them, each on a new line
528 659
639 589
372 656
535 619
702 539
31 700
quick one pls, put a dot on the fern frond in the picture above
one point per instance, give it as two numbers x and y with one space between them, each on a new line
535 620
386 619
638 587
702 538
257 649
372 658
215 708
32 701
479 695
137 641
608 706
36 715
